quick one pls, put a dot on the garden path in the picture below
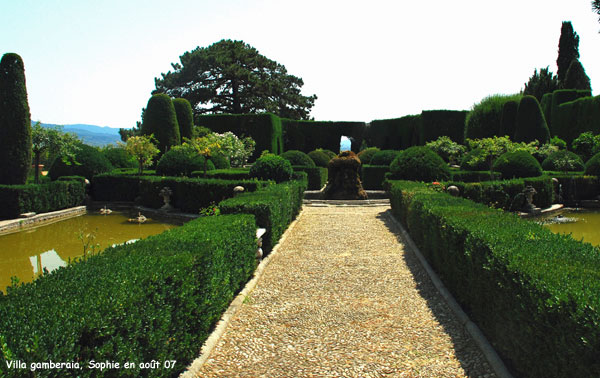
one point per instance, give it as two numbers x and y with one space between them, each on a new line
343 297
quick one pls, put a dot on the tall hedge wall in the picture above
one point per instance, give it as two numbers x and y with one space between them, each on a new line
575 117
265 129
559 97
307 136
436 123
533 293
395 133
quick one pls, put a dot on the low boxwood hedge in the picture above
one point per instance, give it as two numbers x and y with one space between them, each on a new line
317 176
40 198
533 293
474 176
372 176
156 299
225 174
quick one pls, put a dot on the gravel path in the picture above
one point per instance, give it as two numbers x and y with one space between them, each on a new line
343 299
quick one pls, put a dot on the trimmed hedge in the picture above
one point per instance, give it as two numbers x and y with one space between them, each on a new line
436 123
572 118
474 176
367 154
320 158
394 134
271 167
592 166
40 198
298 158
530 122
419 163
274 207
372 176
485 119
563 160
501 194
156 299
180 161
317 176
306 136
517 164
533 293
90 162
265 129
384 157
576 187
160 120
225 174
189 194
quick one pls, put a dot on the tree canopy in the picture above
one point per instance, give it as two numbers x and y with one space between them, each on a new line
541 83
232 77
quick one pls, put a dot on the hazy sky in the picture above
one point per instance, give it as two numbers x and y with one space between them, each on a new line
95 61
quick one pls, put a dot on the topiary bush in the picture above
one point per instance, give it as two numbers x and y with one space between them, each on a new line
272 167
419 163
185 117
563 160
367 154
320 158
517 164
182 161
329 153
592 167
160 120
89 161
475 160
384 157
296 157
509 118
530 123
119 158
485 118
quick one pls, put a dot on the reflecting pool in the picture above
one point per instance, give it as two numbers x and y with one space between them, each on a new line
581 224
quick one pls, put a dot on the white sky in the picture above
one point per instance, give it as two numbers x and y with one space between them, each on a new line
95 62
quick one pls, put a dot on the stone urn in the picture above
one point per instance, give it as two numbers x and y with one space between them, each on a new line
344 181
166 194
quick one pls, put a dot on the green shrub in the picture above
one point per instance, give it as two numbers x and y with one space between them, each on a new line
40 198
592 167
563 160
573 112
320 158
372 176
517 164
508 124
447 149
119 158
89 161
274 208
160 120
225 174
437 123
419 163
556 141
271 167
474 176
384 157
156 299
220 161
586 145
475 160
317 176
15 121
367 154
530 123
185 117
181 161
485 118
397 133
296 157
329 153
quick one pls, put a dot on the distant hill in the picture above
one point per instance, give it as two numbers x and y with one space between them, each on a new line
91 134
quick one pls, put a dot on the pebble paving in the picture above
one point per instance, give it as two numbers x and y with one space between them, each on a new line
342 298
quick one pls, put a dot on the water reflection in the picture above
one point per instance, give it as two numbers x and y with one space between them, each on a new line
580 224
47 261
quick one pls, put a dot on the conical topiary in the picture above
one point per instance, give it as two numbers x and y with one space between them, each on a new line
531 124
160 120
185 117
15 122
576 77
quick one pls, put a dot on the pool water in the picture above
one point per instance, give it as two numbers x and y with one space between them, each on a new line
586 226
25 254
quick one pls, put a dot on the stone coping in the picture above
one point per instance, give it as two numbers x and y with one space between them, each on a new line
14 225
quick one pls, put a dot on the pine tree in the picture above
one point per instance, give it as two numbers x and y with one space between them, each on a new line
568 49
160 120
576 77
15 122
540 84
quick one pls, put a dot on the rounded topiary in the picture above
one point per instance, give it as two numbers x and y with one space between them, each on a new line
271 167
384 157
160 120
563 160
517 164
508 122
329 153
181 161
319 157
220 161
296 157
367 154
185 117
89 161
15 122
485 118
475 160
592 167
119 158
419 163
530 124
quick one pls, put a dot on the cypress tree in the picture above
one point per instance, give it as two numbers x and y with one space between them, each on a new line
576 77
185 117
15 121
160 120
568 49
530 123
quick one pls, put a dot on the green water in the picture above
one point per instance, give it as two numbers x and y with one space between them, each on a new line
27 253
587 226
